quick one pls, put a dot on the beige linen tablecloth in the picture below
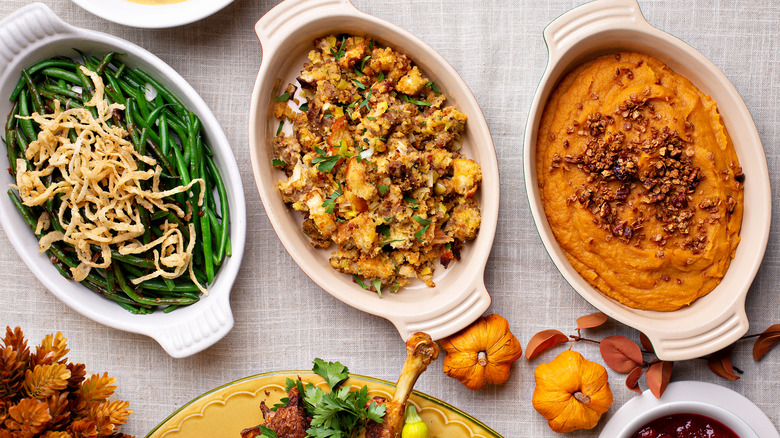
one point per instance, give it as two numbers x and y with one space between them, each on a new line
283 320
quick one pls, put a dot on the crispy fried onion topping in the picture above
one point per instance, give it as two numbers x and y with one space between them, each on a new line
101 187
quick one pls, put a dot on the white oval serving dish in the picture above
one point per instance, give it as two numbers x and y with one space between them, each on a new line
33 33
152 16
286 33
730 408
717 319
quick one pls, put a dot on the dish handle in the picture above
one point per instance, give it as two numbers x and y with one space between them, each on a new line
278 24
26 27
586 20
197 329
722 331
471 306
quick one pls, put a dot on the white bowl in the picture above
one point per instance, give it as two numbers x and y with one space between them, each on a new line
286 33
717 319
33 33
714 401
152 16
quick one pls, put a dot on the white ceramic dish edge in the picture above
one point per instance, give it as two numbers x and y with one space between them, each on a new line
148 16
438 311
718 319
679 397
33 33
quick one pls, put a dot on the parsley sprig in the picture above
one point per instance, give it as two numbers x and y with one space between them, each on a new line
338 54
326 162
425 223
340 413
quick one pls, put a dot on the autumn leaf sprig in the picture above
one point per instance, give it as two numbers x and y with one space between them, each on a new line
625 356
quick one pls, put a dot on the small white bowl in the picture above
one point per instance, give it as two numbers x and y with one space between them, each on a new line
33 33
714 401
286 33
717 319
150 16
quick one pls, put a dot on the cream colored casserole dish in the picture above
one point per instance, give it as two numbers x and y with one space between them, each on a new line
286 33
34 33
717 319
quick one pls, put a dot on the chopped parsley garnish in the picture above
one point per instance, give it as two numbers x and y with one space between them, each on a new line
359 84
432 86
330 202
412 201
360 282
422 221
387 242
381 77
378 287
340 413
277 162
371 118
383 188
304 106
365 101
283 97
327 115
267 433
279 129
326 162
359 70
338 54
415 101
395 287
371 45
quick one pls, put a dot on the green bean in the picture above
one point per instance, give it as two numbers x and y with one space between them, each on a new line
10 145
68 76
161 128
222 242
46 63
62 91
143 300
37 103
101 68
24 123
167 95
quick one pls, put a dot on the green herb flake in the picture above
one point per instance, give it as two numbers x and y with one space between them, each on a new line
283 97
330 202
359 84
418 235
304 106
371 118
338 54
327 116
366 101
383 188
395 287
381 77
278 163
378 287
421 220
412 201
279 129
360 282
415 101
433 87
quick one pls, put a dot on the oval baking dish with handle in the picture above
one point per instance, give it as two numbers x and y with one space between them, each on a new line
717 319
33 33
286 34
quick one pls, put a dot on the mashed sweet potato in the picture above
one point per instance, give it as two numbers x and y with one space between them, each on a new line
639 181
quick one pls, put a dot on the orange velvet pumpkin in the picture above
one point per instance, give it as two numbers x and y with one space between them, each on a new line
571 392
481 353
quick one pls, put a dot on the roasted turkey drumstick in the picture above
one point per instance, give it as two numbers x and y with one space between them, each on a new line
420 352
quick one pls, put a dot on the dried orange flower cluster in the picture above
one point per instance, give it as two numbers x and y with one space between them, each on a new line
43 395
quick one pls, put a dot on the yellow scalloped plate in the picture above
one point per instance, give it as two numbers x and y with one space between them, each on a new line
225 411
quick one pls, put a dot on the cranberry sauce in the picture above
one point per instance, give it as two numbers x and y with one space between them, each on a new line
684 426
